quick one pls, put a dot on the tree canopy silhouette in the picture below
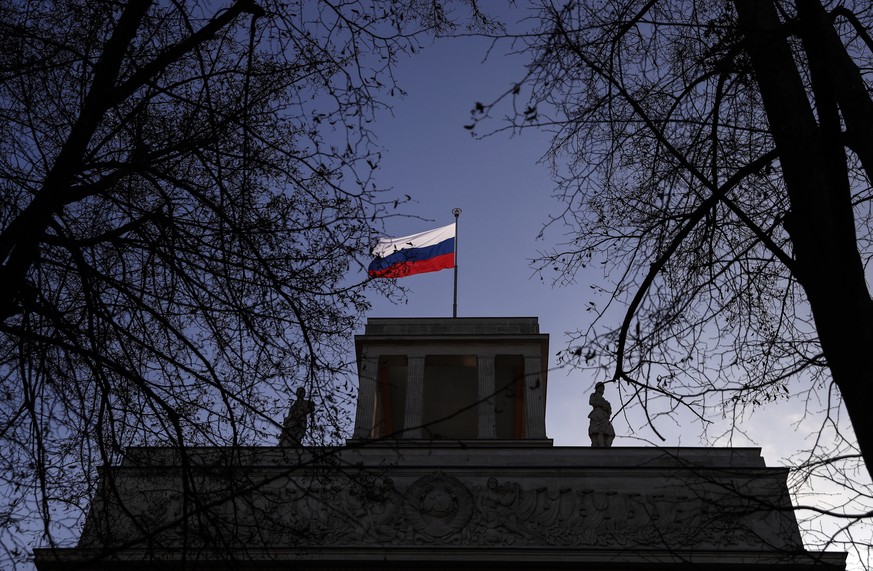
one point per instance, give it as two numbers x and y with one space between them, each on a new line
184 190
716 157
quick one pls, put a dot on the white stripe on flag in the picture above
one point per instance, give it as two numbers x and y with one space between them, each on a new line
387 246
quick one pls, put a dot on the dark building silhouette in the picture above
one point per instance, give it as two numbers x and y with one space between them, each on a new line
449 467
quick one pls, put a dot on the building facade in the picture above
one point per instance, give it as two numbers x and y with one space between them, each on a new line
449 466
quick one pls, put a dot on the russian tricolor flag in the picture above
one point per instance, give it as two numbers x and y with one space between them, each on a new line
429 251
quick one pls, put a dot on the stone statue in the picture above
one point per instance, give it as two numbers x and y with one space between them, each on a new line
294 425
600 428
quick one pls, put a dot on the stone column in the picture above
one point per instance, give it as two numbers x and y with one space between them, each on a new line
534 398
487 420
367 379
414 397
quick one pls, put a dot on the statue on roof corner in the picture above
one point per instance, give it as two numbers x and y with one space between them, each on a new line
600 428
294 425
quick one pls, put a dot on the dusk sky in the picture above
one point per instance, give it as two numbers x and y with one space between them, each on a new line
505 198
505 193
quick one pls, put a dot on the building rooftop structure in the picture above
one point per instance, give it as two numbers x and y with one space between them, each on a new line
474 380
448 466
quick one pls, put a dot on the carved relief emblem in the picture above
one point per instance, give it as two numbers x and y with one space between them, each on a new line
438 506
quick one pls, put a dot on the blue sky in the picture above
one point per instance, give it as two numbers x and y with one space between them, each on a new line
505 192
505 198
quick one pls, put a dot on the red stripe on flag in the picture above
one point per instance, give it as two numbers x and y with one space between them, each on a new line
410 268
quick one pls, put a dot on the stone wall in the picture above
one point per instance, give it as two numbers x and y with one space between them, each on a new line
619 505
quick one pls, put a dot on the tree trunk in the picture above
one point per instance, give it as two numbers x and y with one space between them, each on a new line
821 223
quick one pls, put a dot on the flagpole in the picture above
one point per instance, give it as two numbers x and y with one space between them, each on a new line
457 213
